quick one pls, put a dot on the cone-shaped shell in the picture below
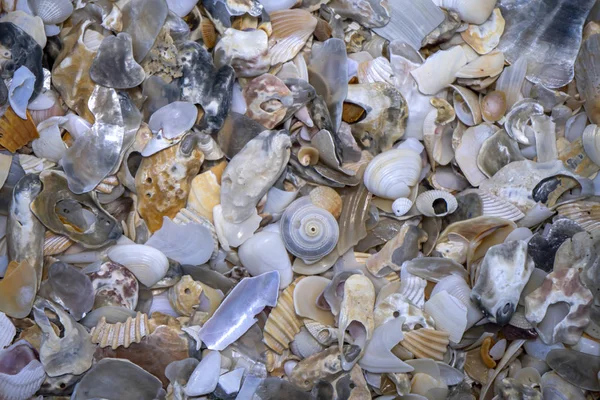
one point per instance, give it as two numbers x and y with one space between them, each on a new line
133 330
283 323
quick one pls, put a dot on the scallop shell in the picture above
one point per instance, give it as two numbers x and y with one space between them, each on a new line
205 194
494 206
55 244
308 231
401 206
27 380
7 331
586 213
325 334
16 132
377 70
428 201
184 296
52 12
485 37
133 330
391 173
148 264
426 343
283 323
291 30
328 199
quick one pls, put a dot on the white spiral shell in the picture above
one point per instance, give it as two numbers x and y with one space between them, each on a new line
391 174
401 206
425 203
309 232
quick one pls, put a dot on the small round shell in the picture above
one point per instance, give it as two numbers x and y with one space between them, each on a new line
308 231
328 199
493 106
391 174
436 203
401 206
308 156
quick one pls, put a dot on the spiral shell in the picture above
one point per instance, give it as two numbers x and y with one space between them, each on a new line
391 174
436 203
308 231
133 330
401 206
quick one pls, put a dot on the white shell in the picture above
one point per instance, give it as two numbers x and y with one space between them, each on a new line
377 70
591 143
471 11
485 37
439 70
50 144
495 206
169 124
25 383
484 66
20 91
466 106
148 264
306 294
51 11
232 234
449 314
511 81
401 206
264 252
378 356
469 147
518 118
205 377
181 7
425 203
276 5
456 286
7 331
391 173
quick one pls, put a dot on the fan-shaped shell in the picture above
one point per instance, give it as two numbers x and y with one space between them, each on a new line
308 231
401 206
283 323
51 11
426 343
7 331
377 70
133 330
494 206
591 143
391 173
291 30
148 264
25 382
428 202
585 212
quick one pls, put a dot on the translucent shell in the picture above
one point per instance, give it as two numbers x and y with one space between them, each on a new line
308 231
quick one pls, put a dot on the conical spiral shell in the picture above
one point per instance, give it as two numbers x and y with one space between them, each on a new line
133 330
283 323
426 343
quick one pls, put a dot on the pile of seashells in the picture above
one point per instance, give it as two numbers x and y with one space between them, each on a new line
299 199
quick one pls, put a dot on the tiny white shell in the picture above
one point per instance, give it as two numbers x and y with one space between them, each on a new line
428 201
148 264
401 206
391 173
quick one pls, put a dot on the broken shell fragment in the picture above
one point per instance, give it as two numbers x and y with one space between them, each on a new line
485 37
133 330
282 324
114 65
378 356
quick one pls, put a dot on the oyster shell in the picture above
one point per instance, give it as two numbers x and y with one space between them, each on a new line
268 99
114 66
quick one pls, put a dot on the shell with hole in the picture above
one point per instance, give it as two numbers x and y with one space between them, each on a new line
436 203
185 295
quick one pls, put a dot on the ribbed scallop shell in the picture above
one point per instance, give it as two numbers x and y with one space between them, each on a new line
412 288
401 206
324 334
16 132
391 174
494 206
308 231
51 11
55 244
585 212
377 70
7 331
24 384
426 343
283 323
425 203
291 30
133 330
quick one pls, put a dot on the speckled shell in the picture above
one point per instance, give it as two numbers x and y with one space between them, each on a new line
133 330
283 323
391 174
426 200
426 343
205 194
114 285
184 296
259 92
163 182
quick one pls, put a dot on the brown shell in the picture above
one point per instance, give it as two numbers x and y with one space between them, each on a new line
184 296
121 333
426 343
205 194
16 132
283 323
17 289
209 33
56 244
163 183
328 199
262 94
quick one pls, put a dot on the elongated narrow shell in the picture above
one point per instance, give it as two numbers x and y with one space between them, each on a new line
133 330
436 203
291 30
426 343
147 264
283 323
391 174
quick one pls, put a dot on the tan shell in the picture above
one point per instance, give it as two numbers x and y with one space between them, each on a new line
485 37
323 365
426 343
55 244
283 323
409 237
163 182
17 289
16 132
493 106
184 296
324 334
133 330
291 30
328 199
214 298
260 94
205 194
209 33
276 362
308 156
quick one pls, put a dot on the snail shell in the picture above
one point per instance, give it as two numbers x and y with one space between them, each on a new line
308 231
428 202
391 174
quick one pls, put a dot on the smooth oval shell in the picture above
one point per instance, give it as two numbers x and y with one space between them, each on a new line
391 174
401 206
148 264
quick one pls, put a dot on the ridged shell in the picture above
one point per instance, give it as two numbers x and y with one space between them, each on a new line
7 331
24 384
328 199
16 132
209 33
187 216
412 288
291 30
133 330
283 323
391 173
585 212
148 264
401 206
377 70
308 231
324 334
427 202
51 11
591 143
494 206
55 244
205 194
426 343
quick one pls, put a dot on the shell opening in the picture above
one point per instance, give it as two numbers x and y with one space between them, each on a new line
440 206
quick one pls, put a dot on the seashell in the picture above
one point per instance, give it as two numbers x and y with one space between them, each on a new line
449 314
51 12
497 151
114 285
485 37
266 251
309 232
304 345
323 365
456 286
328 199
554 289
169 124
495 206
70 288
382 103
32 25
18 289
148 264
308 156
143 20
307 296
503 274
426 343
553 386
576 368
205 194
583 212
245 182
126 378
490 64
436 203
403 247
282 323
356 310
22 374
16 132
591 143
470 144
370 14
586 79
209 33
205 377
518 118
245 51
248 298
378 356
268 99
231 233
209 147
412 288
20 91
438 139
466 106
291 30
493 106
325 334
133 330
7 331
376 70
391 174
401 206
473 12
185 295
50 144
439 70
424 384
181 7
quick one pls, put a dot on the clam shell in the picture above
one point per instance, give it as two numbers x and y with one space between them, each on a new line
7 331
148 264
401 206
24 383
427 202
377 70
133 330
426 343
391 173
586 213
291 30
52 12
283 323
466 106
485 37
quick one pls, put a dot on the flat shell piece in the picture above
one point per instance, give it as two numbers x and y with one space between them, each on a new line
544 245
143 20
579 369
114 66
551 43
496 152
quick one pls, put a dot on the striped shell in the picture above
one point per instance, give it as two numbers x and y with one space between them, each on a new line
283 323
133 330
24 384
391 173
426 343
377 70
427 203
585 212
7 331
494 206
291 30
401 206
51 11
55 244
412 288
